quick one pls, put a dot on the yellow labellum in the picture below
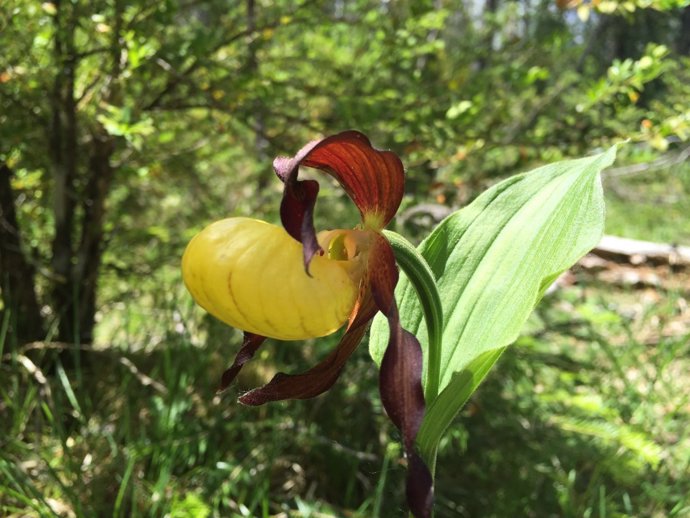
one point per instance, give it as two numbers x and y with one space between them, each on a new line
250 274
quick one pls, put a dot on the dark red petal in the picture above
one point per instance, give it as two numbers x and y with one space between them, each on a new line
373 179
297 215
250 345
400 379
320 378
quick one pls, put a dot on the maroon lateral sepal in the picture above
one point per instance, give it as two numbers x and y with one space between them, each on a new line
311 383
400 384
250 345
419 486
321 377
400 378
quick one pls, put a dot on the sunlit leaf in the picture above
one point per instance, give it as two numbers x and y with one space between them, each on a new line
493 260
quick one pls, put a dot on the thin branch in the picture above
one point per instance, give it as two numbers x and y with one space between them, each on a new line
87 90
144 379
178 77
91 52
524 124
664 161
527 122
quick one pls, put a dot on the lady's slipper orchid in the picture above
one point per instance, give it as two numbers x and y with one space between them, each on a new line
291 283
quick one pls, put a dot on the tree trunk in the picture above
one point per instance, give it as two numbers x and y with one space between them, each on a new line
17 274
90 252
64 152
261 144
490 8
683 42
80 189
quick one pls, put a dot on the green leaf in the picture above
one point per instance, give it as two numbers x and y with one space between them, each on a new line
493 260
444 408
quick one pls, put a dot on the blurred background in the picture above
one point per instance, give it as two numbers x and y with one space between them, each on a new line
127 126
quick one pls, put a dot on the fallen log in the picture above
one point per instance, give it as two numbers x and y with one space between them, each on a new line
633 251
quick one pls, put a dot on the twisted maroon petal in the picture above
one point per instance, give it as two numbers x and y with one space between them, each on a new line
320 378
251 344
297 214
400 378
373 179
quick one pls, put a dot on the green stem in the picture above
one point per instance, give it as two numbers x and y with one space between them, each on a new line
422 278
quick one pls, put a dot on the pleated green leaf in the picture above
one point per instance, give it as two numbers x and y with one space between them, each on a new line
492 261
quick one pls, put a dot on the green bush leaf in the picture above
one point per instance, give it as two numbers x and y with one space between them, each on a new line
493 260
